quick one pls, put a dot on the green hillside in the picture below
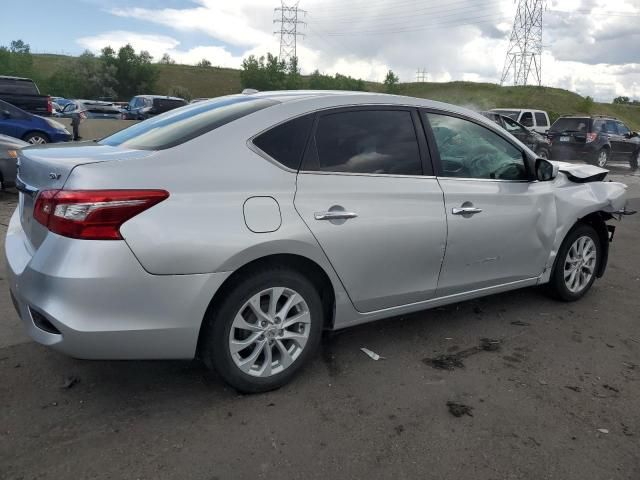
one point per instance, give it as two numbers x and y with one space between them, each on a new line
211 82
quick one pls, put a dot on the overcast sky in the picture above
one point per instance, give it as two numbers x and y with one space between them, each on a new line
590 46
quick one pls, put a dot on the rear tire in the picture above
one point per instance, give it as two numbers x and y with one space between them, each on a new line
36 138
576 265
264 330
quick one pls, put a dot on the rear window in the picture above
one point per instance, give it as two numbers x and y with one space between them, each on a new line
184 124
162 105
25 87
579 125
286 142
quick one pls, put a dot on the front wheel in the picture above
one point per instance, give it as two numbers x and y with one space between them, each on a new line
603 158
36 138
265 329
577 264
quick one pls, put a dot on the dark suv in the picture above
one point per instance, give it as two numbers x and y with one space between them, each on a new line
142 107
594 139
536 142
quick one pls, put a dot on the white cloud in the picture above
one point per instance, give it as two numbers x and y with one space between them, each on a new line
588 53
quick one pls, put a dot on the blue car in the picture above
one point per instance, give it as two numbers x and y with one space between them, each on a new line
30 128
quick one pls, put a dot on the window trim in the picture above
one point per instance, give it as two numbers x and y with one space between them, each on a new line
425 160
435 152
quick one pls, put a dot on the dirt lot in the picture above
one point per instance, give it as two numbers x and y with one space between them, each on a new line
559 400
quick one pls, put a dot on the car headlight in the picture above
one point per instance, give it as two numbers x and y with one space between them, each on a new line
56 125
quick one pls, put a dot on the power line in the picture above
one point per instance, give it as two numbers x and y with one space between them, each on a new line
288 18
524 55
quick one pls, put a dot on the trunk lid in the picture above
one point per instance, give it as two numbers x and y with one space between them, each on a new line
48 168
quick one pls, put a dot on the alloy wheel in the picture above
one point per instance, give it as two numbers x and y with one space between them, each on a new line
603 156
269 332
37 140
580 264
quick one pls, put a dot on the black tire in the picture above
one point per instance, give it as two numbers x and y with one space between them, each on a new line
33 136
557 284
602 158
214 342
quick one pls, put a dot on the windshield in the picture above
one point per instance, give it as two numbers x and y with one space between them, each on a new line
183 124
570 125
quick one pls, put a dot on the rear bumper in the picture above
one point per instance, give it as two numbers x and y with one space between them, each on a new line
100 302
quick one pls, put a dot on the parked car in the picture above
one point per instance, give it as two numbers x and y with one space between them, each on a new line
91 109
540 144
536 120
594 139
238 229
33 129
147 106
24 94
8 156
61 101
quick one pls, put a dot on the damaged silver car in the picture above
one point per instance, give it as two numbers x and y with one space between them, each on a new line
237 229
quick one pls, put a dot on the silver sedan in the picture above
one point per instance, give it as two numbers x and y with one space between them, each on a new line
237 229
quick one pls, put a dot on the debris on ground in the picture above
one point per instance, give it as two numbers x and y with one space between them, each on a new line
372 355
454 360
69 382
543 382
489 344
459 409
626 430
603 430
630 366
520 323
609 387
575 389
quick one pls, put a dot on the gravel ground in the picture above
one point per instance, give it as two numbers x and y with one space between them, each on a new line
559 398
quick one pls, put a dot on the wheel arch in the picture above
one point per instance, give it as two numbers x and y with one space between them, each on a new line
35 130
302 264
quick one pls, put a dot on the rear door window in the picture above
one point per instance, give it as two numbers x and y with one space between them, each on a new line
366 141
541 119
577 125
286 142
178 126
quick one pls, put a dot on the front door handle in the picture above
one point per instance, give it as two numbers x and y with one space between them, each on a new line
334 215
466 211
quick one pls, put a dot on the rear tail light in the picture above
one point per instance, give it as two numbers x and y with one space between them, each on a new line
591 137
92 214
49 106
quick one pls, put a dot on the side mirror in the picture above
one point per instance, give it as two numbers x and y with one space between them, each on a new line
545 170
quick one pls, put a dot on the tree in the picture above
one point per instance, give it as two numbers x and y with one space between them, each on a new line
391 82
204 63
19 47
621 100
587 104
167 60
293 80
181 92
134 73
16 59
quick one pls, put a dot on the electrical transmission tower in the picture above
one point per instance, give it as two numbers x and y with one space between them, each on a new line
289 18
524 56
421 76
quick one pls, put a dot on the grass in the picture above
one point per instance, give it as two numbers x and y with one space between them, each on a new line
212 82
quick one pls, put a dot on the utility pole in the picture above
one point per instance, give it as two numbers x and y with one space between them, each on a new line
289 18
524 55
421 76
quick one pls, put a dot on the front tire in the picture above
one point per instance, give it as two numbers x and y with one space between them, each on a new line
577 264
265 329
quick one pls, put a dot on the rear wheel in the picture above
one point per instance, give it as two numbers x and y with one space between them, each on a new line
603 158
265 329
36 138
577 264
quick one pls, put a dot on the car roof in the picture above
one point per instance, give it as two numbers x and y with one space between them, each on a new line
166 97
519 109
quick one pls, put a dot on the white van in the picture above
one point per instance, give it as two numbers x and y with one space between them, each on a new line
536 120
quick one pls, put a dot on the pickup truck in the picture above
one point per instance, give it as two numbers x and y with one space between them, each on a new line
24 94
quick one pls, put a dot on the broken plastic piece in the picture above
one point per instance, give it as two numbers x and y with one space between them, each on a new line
372 355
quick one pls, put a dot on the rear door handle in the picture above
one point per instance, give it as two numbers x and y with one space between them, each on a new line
334 215
466 211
